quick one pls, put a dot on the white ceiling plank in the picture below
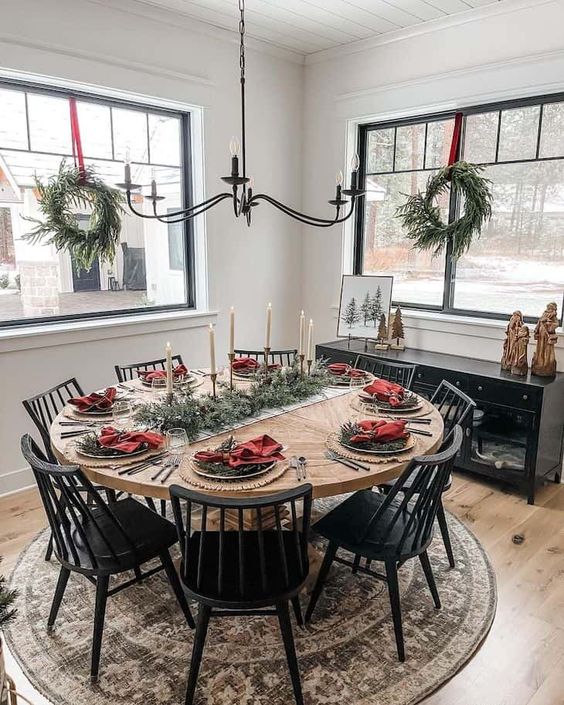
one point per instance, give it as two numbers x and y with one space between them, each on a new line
321 15
311 26
343 9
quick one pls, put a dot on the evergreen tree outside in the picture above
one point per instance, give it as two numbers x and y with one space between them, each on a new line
352 313
397 326
366 308
382 328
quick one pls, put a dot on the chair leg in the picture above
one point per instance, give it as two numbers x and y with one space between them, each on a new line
298 611
150 503
321 577
197 651
288 638
426 564
445 534
356 563
174 581
393 590
49 551
102 583
163 507
64 574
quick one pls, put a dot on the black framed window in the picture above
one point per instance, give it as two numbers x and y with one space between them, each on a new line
39 284
518 260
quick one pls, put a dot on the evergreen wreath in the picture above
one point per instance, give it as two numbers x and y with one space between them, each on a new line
69 189
422 218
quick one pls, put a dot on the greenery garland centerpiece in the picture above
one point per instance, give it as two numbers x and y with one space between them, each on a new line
422 219
197 414
350 429
70 189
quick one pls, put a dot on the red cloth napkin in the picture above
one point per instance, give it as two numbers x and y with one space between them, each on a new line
95 400
380 431
386 391
245 364
178 371
128 441
257 451
342 368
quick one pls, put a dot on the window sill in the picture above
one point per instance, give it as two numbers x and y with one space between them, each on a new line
68 332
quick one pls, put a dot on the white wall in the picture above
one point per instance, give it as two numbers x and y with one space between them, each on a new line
437 66
163 56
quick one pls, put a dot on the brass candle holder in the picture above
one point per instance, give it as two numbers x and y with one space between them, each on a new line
213 378
231 357
266 357
169 398
309 363
302 360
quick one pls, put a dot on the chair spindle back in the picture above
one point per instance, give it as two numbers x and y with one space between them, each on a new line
398 372
453 405
282 357
126 373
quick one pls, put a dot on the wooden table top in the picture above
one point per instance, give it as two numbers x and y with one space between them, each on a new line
302 431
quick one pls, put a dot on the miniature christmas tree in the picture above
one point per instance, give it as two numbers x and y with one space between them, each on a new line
376 307
352 313
397 329
382 329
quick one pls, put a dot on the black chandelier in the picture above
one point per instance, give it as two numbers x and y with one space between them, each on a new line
242 196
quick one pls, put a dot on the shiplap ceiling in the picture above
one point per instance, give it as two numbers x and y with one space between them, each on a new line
307 26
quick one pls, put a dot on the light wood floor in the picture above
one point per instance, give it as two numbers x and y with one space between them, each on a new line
522 659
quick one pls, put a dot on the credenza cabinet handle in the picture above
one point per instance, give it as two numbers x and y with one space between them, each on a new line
480 388
419 375
525 397
458 383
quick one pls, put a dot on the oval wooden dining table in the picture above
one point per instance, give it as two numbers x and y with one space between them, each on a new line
302 432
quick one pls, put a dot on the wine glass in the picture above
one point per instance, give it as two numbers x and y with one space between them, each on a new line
176 441
158 385
121 412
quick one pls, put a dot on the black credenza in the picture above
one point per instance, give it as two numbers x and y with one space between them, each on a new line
516 434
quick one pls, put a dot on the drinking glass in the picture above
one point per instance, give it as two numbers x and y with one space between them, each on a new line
158 385
176 440
121 413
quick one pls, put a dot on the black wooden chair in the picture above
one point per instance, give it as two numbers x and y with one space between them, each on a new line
398 372
455 407
282 357
42 409
256 569
390 528
98 539
125 373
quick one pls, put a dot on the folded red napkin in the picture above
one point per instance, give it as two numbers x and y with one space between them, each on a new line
128 441
342 368
257 451
380 431
245 364
178 371
95 400
386 391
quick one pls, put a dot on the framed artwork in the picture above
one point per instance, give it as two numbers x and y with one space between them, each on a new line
364 307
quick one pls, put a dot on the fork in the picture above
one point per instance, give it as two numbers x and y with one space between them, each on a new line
331 455
173 467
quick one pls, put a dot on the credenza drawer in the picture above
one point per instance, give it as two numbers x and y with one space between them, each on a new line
433 376
518 396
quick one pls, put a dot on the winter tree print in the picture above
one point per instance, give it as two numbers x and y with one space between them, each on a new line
365 300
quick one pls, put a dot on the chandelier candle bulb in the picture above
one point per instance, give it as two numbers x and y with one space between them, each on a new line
268 325
213 369
168 365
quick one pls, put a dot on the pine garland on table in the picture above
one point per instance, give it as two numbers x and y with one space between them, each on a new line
422 220
197 414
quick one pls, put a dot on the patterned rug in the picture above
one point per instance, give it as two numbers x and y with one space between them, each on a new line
347 654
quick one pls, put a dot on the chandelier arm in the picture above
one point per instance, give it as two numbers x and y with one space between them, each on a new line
303 217
190 209
188 216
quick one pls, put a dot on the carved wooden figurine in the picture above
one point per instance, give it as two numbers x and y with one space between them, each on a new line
520 364
515 322
544 359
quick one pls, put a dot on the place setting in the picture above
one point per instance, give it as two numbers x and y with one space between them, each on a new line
236 465
384 398
341 374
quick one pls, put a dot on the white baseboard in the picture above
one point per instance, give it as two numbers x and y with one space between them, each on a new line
16 481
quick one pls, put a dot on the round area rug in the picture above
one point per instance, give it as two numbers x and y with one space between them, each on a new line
347 653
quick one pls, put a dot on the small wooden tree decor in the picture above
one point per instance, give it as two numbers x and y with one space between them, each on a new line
382 340
397 339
